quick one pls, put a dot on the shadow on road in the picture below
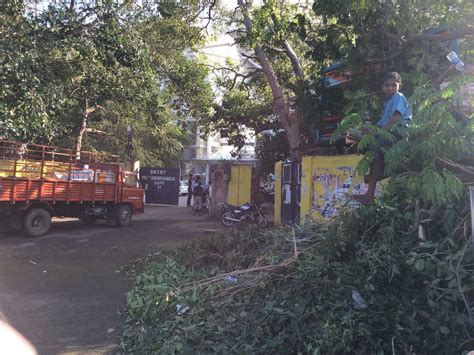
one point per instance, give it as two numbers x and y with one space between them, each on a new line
65 292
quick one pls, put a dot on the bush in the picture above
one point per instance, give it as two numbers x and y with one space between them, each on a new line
293 294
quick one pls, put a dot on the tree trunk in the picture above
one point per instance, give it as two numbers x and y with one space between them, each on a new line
82 129
289 118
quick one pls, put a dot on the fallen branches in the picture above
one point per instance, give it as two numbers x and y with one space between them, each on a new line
275 289
463 172
459 283
255 269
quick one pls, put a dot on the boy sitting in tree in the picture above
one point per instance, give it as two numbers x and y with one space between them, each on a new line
396 116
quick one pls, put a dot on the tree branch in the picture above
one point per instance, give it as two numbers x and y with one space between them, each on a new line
440 37
235 71
289 119
262 58
209 16
463 172
237 74
291 54
248 56
96 131
424 37
294 60
267 126
275 49
196 16
232 18
236 31
94 108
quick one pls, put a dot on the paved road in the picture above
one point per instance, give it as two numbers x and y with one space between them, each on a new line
65 292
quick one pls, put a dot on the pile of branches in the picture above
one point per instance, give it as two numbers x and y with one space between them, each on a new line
369 282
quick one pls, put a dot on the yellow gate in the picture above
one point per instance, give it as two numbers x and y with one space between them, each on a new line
240 185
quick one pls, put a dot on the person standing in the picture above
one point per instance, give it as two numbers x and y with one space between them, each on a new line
198 193
190 190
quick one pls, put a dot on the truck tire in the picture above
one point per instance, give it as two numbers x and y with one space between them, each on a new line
36 222
124 215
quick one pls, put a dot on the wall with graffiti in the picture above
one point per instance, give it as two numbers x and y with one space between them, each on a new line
327 183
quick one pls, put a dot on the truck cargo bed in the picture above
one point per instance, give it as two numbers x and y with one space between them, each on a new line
26 190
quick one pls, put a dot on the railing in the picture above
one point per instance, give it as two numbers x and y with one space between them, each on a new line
33 161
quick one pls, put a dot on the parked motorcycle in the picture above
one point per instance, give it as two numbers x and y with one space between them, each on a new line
249 212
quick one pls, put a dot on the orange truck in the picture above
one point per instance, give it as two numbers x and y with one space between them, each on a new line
38 182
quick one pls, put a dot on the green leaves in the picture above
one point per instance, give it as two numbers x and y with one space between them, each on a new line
444 329
123 65
419 265
410 287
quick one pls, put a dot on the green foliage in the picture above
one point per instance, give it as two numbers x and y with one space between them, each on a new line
123 65
271 148
158 280
408 256
241 108
361 30
434 134
247 100
367 37
25 111
412 288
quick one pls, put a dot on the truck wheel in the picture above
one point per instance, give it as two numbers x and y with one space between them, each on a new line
89 220
36 222
124 215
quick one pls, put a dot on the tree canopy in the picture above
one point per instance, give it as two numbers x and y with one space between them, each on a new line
366 38
81 70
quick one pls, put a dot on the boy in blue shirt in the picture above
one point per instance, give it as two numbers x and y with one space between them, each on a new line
396 115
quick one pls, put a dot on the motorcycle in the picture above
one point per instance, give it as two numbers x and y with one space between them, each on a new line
249 212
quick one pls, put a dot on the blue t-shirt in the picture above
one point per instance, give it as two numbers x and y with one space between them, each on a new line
399 103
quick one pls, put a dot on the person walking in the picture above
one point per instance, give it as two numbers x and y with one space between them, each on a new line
190 190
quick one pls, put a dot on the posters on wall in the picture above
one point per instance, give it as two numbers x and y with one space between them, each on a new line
333 186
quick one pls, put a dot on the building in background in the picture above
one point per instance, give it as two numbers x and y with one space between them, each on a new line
199 154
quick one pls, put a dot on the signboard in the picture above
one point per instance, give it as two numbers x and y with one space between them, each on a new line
161 185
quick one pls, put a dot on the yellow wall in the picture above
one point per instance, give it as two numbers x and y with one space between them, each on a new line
327 182
240 185
277 206
306 191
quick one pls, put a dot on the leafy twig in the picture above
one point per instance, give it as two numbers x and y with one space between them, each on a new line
458 279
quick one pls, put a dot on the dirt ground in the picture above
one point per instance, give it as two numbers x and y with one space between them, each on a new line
65 292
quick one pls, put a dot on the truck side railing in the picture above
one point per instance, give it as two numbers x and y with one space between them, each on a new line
33 161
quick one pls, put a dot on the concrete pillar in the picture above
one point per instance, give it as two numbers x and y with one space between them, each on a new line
208 169
220 181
